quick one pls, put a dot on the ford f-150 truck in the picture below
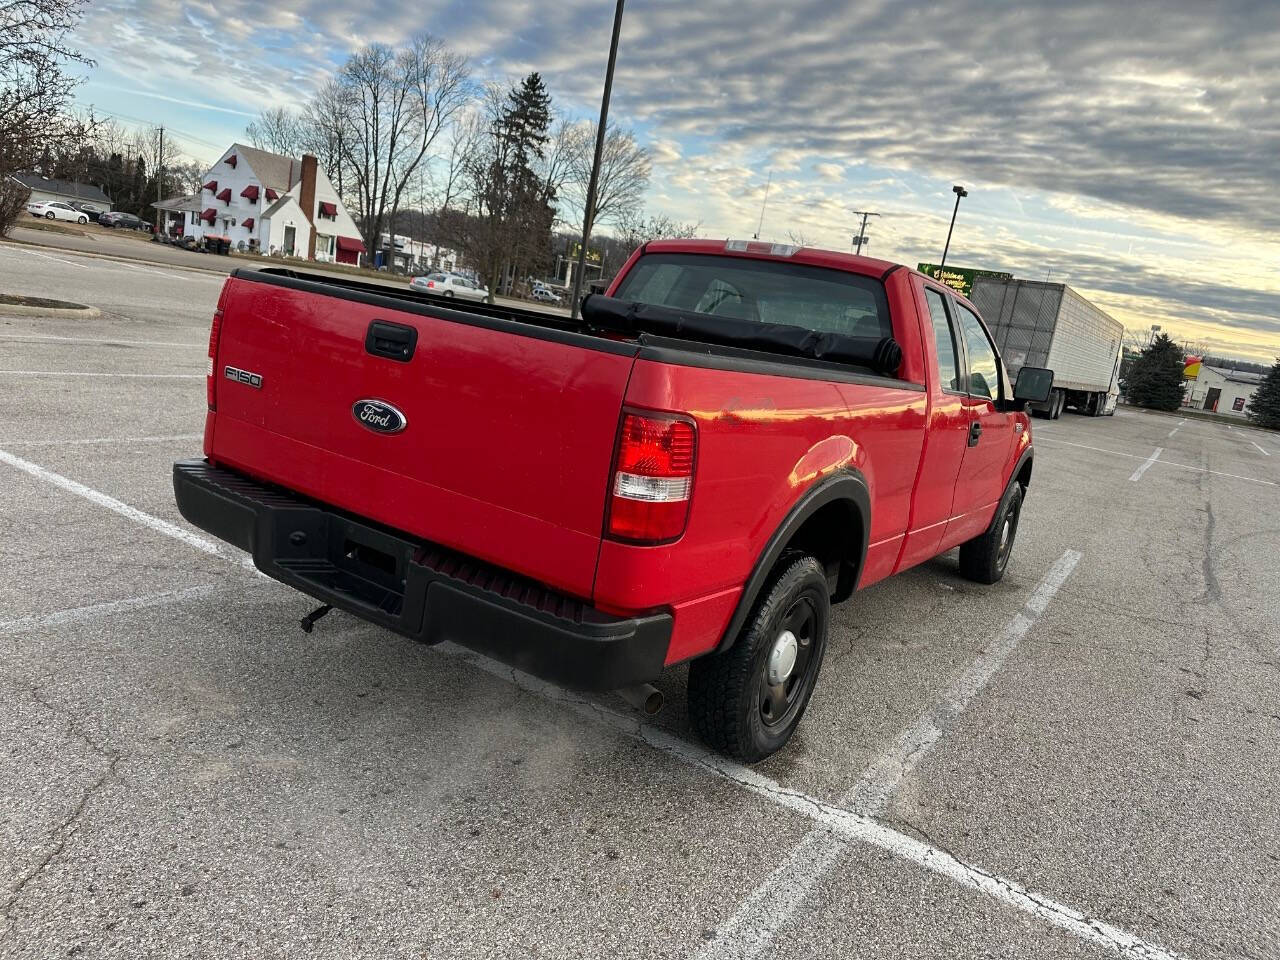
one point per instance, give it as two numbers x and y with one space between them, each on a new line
733 437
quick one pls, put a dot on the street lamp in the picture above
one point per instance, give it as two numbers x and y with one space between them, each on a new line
589 208
959 191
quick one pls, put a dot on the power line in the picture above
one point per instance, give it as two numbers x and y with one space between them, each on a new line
151 123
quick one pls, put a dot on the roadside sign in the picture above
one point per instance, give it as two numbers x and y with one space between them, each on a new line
960 278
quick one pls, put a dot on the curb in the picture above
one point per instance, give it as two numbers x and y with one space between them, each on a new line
49 313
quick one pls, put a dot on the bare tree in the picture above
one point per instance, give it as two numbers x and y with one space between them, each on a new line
278 130
398 104
325 128
800 239
625 167
35 90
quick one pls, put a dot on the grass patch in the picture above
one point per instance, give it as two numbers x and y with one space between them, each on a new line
52 226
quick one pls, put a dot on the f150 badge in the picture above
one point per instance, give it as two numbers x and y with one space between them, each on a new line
243 376
378 416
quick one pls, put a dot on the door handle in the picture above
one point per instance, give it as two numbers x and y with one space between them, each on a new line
391 340
975 431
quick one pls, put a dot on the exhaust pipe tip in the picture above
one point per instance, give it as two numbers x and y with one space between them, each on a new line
645 697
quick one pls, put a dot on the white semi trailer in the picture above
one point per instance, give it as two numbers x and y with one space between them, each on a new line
1049 325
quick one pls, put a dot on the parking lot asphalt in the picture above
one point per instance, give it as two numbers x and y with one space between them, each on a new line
1080 761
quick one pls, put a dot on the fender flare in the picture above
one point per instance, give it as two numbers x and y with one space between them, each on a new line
1026 457
848 485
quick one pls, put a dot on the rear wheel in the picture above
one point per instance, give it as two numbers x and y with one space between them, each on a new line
984 559
748 700
50 215
1059 402
448 293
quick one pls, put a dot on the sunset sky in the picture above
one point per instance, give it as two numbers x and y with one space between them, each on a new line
1131 150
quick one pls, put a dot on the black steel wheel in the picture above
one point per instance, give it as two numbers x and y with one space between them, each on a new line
748 700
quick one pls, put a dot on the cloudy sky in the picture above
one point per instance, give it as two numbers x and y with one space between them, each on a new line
1129 149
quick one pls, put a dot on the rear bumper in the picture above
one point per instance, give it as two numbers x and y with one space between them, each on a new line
419 589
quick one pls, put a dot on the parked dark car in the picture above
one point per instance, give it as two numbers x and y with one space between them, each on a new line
90 210
118 218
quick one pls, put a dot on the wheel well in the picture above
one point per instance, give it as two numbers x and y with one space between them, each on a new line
832 534
1024 475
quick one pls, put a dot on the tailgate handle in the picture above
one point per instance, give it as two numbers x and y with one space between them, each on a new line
391 340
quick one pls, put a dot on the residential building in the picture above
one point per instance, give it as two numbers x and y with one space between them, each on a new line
68 191
1221 390
276 205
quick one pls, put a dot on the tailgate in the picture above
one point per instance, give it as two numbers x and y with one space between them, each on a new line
508 428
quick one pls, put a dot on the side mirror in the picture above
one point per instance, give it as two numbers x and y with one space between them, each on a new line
1033 385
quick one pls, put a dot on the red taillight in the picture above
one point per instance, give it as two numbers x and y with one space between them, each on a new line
211 381
652 478
431 283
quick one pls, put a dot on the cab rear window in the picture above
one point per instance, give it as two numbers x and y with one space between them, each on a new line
765 291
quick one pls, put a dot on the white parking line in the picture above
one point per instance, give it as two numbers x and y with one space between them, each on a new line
846 825
23 337
45 256
1261 449
1163 463
78 440
128 376
77 614
1146 464
756 923
133 513
1177 428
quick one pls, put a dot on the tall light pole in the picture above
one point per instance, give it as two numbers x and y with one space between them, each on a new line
959 191
589 208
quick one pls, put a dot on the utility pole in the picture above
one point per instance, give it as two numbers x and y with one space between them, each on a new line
160 179
959 191
760 226
589 208
861 239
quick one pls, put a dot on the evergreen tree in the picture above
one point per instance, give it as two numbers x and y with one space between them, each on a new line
1264 408
1155 379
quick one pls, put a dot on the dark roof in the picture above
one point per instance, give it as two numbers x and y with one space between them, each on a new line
64 188
273 169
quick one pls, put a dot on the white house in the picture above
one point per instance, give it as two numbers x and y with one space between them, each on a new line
1221 391
275 205
418 254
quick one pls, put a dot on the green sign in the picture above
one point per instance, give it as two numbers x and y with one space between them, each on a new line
959 278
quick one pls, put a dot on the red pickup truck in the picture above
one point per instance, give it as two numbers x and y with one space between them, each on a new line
733 437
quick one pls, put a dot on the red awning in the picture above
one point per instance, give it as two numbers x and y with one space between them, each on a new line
211 186
328 209
272 195
211 215
247 223
251 191
232 160
225 195
351 244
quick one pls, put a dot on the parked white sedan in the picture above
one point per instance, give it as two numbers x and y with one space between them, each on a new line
449 285
57 210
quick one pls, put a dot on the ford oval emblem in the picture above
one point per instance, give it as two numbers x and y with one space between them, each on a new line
378 416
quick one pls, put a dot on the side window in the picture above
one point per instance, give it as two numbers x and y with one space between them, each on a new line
948 355
984 367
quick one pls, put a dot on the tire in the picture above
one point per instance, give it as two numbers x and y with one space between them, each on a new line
1059 402
731 705
985 558
448 293
51 215
82 220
